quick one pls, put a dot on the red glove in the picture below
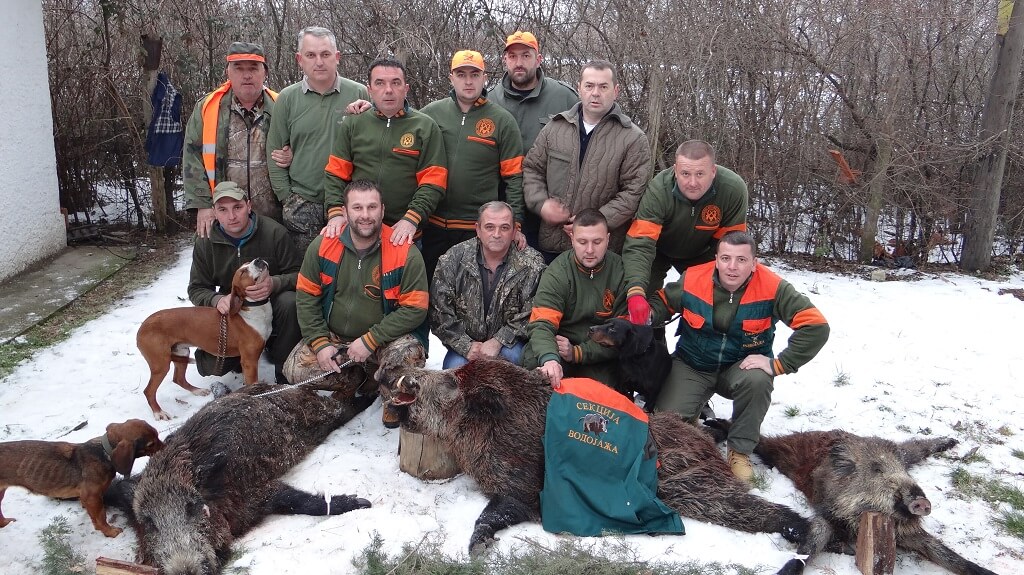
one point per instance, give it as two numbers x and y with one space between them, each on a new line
639 310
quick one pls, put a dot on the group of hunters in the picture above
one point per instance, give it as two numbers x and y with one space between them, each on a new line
508 221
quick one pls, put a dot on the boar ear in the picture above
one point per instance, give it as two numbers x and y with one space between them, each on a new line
841 461
485 403
210 476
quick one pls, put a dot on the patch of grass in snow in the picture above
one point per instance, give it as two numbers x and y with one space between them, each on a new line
760 481
59 557
792 411
570 557
995 492
137 273
841 379
1018 453
1013 523
980 432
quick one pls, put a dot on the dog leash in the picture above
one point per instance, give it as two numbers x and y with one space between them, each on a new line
308 379
667 321
222 344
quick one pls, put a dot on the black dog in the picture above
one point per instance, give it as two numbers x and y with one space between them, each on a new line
644 361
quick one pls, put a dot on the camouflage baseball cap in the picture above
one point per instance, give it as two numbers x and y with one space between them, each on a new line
246 51
228 189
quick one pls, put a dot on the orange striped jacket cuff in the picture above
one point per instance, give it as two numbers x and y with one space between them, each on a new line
635 290
413 217
319 343
335 211
777 367
369 341
577 354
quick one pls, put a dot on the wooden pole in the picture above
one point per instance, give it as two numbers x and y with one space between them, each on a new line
152 47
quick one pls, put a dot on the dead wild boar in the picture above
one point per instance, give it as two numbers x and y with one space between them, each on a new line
490 414
217 476
844 475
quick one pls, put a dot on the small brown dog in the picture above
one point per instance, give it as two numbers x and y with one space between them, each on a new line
83 470
165 336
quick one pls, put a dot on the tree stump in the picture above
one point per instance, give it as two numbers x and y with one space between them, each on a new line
106 566
876 544
424 457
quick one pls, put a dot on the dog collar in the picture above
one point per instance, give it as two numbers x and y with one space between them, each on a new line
107 447
256 303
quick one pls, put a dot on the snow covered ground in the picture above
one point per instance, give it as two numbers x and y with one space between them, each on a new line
934 355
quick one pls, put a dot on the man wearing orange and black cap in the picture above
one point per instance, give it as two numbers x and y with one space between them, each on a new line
531 97
484 150
225 138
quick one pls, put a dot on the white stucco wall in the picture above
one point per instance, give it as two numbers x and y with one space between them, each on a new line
30 217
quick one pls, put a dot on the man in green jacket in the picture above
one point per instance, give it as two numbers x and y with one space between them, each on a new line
357 292
729 310
581 288
532 98
484 150
394 146
238 236
225 138
304 116
681 217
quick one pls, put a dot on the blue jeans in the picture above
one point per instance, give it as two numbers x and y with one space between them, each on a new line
513 354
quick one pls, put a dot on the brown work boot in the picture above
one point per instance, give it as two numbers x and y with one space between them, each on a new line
740 464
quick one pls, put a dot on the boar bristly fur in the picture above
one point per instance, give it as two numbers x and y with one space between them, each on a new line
844 475
218 475
490 414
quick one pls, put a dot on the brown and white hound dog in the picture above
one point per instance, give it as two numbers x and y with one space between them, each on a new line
83 470
165 336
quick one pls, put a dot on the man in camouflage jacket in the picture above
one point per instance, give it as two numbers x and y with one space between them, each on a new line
482 291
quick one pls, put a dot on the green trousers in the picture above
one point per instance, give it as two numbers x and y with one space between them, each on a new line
687 390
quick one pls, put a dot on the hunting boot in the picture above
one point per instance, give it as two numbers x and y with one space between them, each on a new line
740 464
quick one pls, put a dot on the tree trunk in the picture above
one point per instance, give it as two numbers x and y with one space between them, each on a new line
980 227
876 198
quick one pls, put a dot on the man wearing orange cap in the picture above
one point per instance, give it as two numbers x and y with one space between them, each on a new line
484 150
531 98
225 138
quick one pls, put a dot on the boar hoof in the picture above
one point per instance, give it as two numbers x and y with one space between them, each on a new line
792 567
483 537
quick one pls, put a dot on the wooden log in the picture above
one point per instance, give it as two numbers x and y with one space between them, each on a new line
105 566
424 457
876 544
